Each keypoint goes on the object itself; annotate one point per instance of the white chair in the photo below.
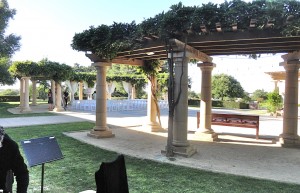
(88, 105)
(81, 104)
(93, 105)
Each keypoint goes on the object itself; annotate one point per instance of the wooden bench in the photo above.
(234, 120)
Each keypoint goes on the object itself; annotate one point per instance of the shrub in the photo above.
(9, 98)
(274, 102)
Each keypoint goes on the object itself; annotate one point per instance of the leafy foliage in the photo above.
(78, 68)
(274, 101)
(43, 69)
(259, 95)
(24, 68)
(8, 43)
(226, 86)
(9, 92)
(106, 41)
(150, 68)
(126, 73)
(88, 77)
(41, 90)
(180, 21)
(5, 76)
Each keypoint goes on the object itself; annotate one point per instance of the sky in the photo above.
(47, 28)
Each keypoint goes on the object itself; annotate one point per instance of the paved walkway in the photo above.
(237, 152)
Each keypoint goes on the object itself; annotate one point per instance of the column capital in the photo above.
(101, 64)
(25, 77)
(206, 65)
(179, 57)
(291, 56)
(291, 64)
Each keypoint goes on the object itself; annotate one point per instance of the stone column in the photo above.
(298, 92)
(25, 107)
(180, 143)
(152, 124)
(53, 92)
(58, 96)
(276, 85)
(205, 132)
(33, 92)
(81, 90)
(133, 96)
(101, 129)
(289, 136)
(22, 91)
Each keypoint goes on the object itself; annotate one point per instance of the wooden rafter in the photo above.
(202, 47)
(193, 53)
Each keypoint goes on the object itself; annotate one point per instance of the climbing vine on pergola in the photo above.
(106, 41)
(46, 69)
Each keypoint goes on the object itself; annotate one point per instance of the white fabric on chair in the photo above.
(128, 88)
(110, 88)
(73, 86)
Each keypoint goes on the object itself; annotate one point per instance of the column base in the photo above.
(210, 136)
(154, 127)
(187, 151)
(289, 141)
(58, 109)
(33, 104)
(25, 109)
(101, 134)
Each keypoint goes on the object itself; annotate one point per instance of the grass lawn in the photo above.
(76, 171)
(6, 114)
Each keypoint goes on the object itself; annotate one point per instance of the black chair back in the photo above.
(112, 177)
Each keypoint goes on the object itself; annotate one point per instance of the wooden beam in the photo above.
(191, 52)
(254, 34)
(133, 53)
(277, 75)
(134, 62)
(95, 59)
(264, 41)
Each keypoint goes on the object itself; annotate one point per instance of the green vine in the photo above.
(89, 78)
(106, 41)
(43, 70)
(24, 68)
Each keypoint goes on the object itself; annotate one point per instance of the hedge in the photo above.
(9, 98)
(225, 104)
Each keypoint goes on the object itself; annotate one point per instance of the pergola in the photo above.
(278, 76)
(203, 48)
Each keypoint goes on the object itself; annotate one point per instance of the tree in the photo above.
(8, 43)
(193, 95)
(259, 95)
(150, 69)
(78, 68)
(226, 86)
(274, 101)
(9, 92)
(5, 76)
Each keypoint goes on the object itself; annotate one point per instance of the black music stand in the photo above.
(40, 151)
